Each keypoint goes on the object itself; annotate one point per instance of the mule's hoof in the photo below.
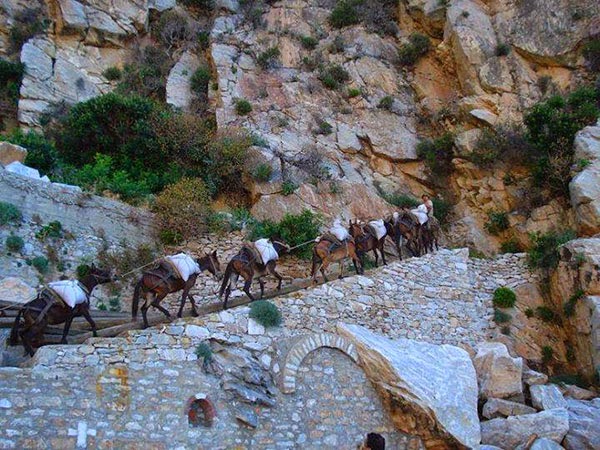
(63, 342)
(195, 313)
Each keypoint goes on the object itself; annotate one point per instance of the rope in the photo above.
(138, 268)
(312, 241)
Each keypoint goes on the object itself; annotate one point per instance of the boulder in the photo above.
(430, 389)
(531, 377)
(541, 444)
(584, 425)
(577, 393)
(10, 153)
(498, 373)
(547, 397)
(15, 290)
(178, 88)
(513, 431)
(496, 407)
(26, 171)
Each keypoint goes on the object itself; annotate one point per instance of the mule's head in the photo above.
(280, 247)
(355, 229)
(211, 263)
(97, 275)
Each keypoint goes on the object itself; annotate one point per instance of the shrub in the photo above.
(591, 52)
(41, 153)
(438, 154)
(269, 58)
(344, 14)
(200, 79)
(183, 207)
(497, 222)
(170, 237)
(204, 352)
(511, 246)
(569, 306)
(265, 313)
(40, 263)
(243, 107)
(544, 83)
(53, 230)
(506, 142)
(14, 243)
(309, 42)
(82, 271)
(573, 379)
(386, 103)
(112, 73)
(146, 74)
(547, 354)
(9, 213)
(441, 210)
(543, 253)
(338, 45)
(174, 28)
(333, 76)
(504, 298)
(546, 314)
(324, 127)
(505, 330)
(27, 23)
(353, 92)
(501, 317)
(11, 75)
(263, 172)
(128, 258)
(288, 187)
(502, 49)
(207, 5)
(529, 313)
(418, 46)
(401, 200)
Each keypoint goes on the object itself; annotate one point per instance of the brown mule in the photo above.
(47, 309)
(246, 264)
(430, 235)
(327, 251)
(366, 240)
(162, 281)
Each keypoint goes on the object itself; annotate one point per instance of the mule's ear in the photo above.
(214, 253)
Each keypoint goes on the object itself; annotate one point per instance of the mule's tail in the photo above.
(226, 278)
(136, 299)
(316, 259)
(14, 332)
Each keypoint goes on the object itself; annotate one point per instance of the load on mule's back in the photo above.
(59, 302)
(172, 274)
(257, 258)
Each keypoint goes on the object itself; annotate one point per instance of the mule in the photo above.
(327, 250)
(430, 235)
(160, 282)
(247, 264)
(47, 309)
(404, 228)
(366, 240)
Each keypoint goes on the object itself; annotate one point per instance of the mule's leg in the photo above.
(193, 302)
(324, 266)
(376, 256)
(261, 283)
(381, 245)
(25, 336)
(273, 272)
(88, 318)
(67, 327)
(247, 285)
(186, 291)
(156, 304)
(341, 263)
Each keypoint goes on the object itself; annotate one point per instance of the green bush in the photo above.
(9, 213)
(324, 127)
(333, 76)
(573, 379)
(170, 237)
(14, 243)
(502, 49)
(438, 154)
(26, 24)
(263, 172)
(145, 75)
(207, 5)
(386, 103)
(546, 314)
(511, 246)
(265, 313)
(293, 229)
(200, 79)
(204, 352)
(418, 46)
(501, 317)
(11, 75)
(543, 253)
(529, 313)
(82, 271)
(41, 153)
(441, 210)
(269, 58)
(353, 92)
(40, 263)
(401, 200)
(288, 187)
(112, 73)
(591, 52)
(497, 222)
(128, 258)
(506, 142)
(547, 354)
(53, 230)
(243, 107)
(344, 14)
(309, 42)
(569, 306)
(504, 298)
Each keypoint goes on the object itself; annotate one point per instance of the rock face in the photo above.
(584, 432)
(585, 186)
(513, 431)
(422, 384)
(498, 374)
(178, 82)
(10, 153)
(16, 290)
(547, 397)
(496, 407)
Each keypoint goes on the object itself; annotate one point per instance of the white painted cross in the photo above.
(82, 432)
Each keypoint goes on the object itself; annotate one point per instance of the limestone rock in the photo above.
(541, 444)
(10, 153)
(466, 141)
(585, 186)
(531, 377)
(547, 397)
(577, 393)
(431, 384)
(584, 421)
(178, 88)
(161, 5)
(496, 407)
(485, 116)
(23, 170)
(430, 13)
(16, 290)
(498, 374)
(513, 431)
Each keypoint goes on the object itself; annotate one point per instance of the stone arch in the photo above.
(200, 410)
(307, 345)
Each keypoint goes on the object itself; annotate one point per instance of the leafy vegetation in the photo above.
(511, 246)
(52, 230)
(243, 107)
(441, 210)
(547, 354)
(504, 297)
(438, 154)
(146, 74)
(263, 172)
(502, 49)
(41, 264)
(378, 16)
(27, 23)
(418, 45)
(529, 313)
(288, 187)
(591, 52)
(354, 92)
(11, 74)
(386, 103)
(344, 14)
(546, 314)
(14, 243)
(269, 58)
(334, 76)
(9, 213)
(112, 73)
(204, 352)
(543, 253)
(265, 313)
(497, 222)
(199, 80)
(401, 200)
(127, 258)
(501, 317)
(309, 42)
(569, 306)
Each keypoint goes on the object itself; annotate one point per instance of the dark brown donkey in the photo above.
(47, 309)
(366, 240)
(329, 250)
(404, 227)
(247, 264)
(160, 282)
